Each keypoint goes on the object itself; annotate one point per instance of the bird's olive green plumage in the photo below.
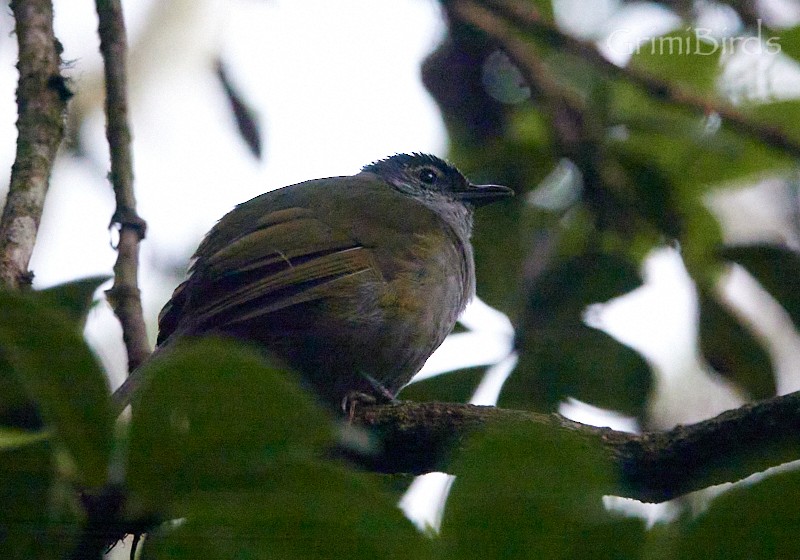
(351, 281)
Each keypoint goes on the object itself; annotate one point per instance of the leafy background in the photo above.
(226, 457)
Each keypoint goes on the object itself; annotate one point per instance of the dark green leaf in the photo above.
(748, 523)
(653, 195)
(733, 351)
(214, 415)
(245, 116)
(59, 372)
(580, 362)
(74, 298)
(776, 268)
(502, 230)
(534, 492)
(498, 251)
(30, 527)
(661, 542)
(454, 386)
(17, 410)
(560, 295)
(560, 356)
(298, 510)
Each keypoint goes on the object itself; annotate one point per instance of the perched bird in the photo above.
(353, 281)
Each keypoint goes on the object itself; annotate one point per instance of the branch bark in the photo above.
(652, 466)
(124, 295)
(42, 97)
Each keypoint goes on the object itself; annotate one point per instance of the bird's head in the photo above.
(430, 178)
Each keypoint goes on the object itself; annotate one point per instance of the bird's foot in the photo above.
(353, 399)
(379, 394)
(380, 389)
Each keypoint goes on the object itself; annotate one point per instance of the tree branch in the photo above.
(124, 296)
(653, 466)
(42, 97)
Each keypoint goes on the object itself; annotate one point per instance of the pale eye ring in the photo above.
(428, 176)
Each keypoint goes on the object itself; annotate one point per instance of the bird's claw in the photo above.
(353, 399)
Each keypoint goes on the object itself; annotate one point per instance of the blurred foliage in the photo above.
(500, 507)
(218, 438)
(790, 42)
(560, 356)
(732, 350)
(776, 268)
(646, 146)
(446, 388)
(46, 355)
(225, 455)
(767, 530)
(30, 527)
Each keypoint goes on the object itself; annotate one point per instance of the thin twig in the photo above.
(42, 97)
(124, 296)
(529, 20)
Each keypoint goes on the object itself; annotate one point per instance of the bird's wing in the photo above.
(288, 257)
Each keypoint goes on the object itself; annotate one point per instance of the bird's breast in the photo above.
(429, 285)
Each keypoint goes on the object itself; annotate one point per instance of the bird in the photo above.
(352, 281)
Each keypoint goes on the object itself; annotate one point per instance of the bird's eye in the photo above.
(428, 176)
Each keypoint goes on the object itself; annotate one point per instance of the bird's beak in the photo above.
(478, 195)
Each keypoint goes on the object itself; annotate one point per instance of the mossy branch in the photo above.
(652, 466)
(42, 96)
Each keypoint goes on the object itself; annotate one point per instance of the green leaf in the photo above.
(75, 298)
(784, 116)
(30, 525)
(534, 492)
(733, 351)
(695, 158)
(17, 410)
(748, 523)
(11, 438)
(701, 239)
(503, 229)
(776, 268)
(453, 386)
(681, 58)
(545, 8)
(580, 362)
(498, 251)
(559, 356)
(213, 415)
(693, 152)
(300, 509)
(50, 359)
(789, 41)
(653, 196)
(561, 294)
